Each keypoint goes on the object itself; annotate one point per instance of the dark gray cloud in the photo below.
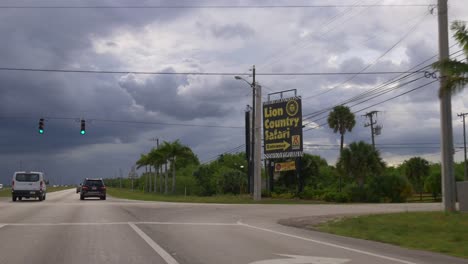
(165, 95)
(229, 31)
(203, 40)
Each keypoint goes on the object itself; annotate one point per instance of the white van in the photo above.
(29, 184)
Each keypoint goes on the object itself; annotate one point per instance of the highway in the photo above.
(64, 229)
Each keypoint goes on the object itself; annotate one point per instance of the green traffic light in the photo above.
(83, 132)
(41, 131)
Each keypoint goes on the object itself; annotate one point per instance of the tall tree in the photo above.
(360, 160)
(416, 170)
(144, 161)
(341, 120)
(156, 159)
(456, 70)
(173, 151)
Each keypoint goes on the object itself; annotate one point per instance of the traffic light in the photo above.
(83, 127)
(41, 126)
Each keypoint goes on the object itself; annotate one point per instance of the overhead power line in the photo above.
(380, 89)
(381, 102)
(123, 121)
(237, 149)
(196, 73)
(407, 33)
(200, 6)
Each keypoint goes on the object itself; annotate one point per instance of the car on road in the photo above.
(93, 188)
(29, 184)
(1, 186)
(78, 188)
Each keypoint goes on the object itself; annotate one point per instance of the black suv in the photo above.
(93, 188)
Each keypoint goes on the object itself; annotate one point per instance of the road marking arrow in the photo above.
(297, 259)
(276, 146)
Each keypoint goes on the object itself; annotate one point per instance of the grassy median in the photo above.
(434, 231)
(6, 192)
(223, 199)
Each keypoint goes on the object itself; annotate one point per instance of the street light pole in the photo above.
(252, 126)
(448, 180)
(255, 149)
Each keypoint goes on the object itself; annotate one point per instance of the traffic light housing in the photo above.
(41, 126)
(83, 127)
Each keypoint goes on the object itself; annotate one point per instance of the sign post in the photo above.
(282, 133)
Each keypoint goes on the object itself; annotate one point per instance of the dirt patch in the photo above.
(310, 222)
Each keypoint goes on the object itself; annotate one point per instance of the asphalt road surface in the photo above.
(64, 229)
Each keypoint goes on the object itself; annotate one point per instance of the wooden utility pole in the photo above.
(371, 123)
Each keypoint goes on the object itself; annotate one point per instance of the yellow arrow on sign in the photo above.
(277, 146)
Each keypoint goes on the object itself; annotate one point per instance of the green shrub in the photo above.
(311, 194)
(283, 195)
(334, 196)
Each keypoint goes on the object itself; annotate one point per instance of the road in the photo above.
(64, 229)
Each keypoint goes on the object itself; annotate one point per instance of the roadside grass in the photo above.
(223, 199)
(6, 192)
(433, 231)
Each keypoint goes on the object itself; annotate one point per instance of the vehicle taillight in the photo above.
(41, 184)
(84, 187)
(103, 187)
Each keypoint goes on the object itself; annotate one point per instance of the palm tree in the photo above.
(456, 72)
(156, 159)
(164, 151)
(341, 120)
(143, 161)
(360, 161)
(173, 151)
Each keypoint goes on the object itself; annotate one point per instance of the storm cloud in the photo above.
(203, 40)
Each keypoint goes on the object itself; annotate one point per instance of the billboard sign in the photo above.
(282, 128)
(285, 166)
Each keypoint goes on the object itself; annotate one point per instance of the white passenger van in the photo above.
(28, 184)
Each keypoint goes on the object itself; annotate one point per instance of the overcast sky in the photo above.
(231, 40)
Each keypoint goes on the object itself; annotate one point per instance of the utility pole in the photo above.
(258, 145)
(464, 144)
(448, 180)
(252, 147)
(256, 135)
(371, 123)
(248, 148)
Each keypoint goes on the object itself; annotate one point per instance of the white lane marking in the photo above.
(65, 224)
(161, 252)
(118, 223)
(297, 259)
(327, 244)
(188, 223)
